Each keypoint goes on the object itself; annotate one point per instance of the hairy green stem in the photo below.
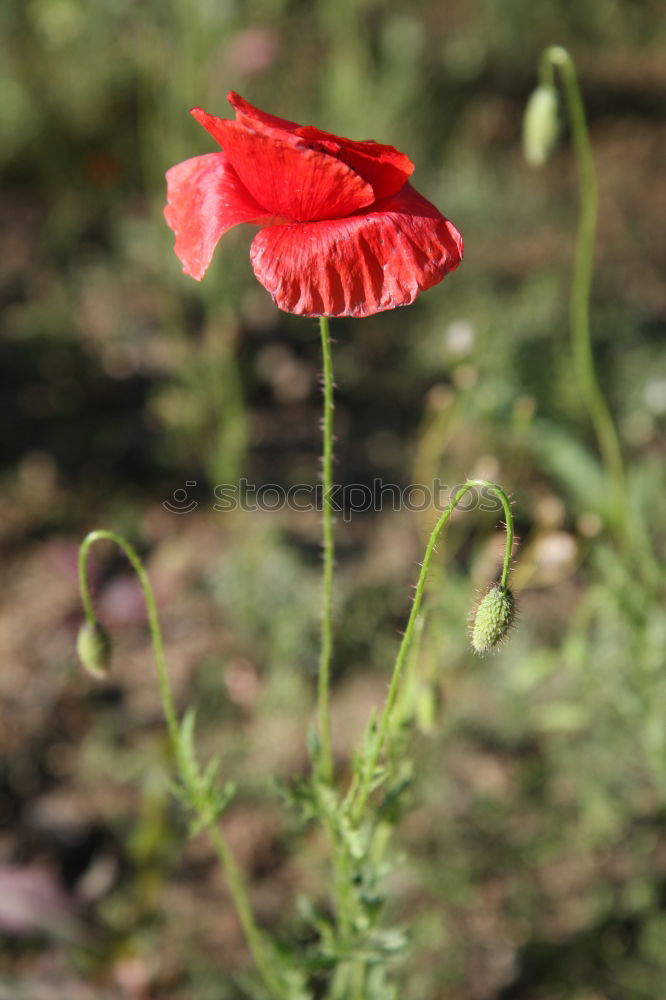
(256, 941)
(325, 761)
(362, 790)
(554, 58)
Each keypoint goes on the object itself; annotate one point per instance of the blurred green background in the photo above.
(534, 860)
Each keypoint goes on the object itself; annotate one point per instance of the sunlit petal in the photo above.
(360, 265)
(205, 198)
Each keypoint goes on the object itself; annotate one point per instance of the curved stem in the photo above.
(256, 942)
(325, 762)
(362, 790)
(553, 58)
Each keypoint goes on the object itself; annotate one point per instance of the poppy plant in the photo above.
(343, 233)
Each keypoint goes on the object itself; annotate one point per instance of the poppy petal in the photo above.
(384, 167)
(287, 177)
(360, 265)
(205, 198)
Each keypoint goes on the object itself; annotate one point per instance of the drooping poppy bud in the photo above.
(492, 619)
(93, 645)
(540, 125)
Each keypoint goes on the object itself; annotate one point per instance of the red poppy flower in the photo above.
(343, 232)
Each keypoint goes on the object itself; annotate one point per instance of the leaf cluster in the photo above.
(198, 789)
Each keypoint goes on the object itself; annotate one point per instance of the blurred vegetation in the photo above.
(534, 857)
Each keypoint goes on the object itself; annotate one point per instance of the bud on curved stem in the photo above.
(359, 792)
(555, 58)
(199, 793)
(153, 619)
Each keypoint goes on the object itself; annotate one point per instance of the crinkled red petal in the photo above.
(205, 198)
(285, 176)
(360, 265)
(384, 167)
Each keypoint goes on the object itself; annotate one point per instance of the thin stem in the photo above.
(553, 58)
(256, 942)
(325, 762)
(370, 763)
(254, 937)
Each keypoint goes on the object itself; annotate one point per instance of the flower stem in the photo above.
(256, 941)
(364, 787)
(556, 57)
(325, 761)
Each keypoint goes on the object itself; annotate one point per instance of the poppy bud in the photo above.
(492, 619)
(93, 646)
(540, 125)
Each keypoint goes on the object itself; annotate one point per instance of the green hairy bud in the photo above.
(492, 619)
(93, 646)
(540, 125)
